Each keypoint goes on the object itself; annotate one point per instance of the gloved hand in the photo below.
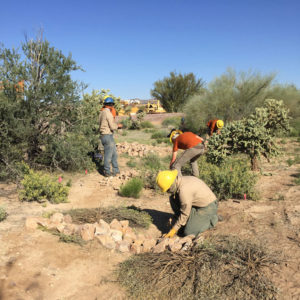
(170, 234)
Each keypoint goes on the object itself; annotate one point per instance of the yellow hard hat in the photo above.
(173, 133)
(165, 179)
(220, 124)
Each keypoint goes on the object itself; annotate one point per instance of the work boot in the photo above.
(107, 174)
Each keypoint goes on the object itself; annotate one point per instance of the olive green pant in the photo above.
(200, 219)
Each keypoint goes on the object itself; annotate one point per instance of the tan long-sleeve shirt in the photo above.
(107, 123)
(192, 192)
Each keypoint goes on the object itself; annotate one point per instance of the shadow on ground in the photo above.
(160, 219)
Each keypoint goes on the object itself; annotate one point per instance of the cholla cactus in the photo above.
(253, 136)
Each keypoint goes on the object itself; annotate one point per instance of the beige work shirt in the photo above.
(192, 192)
(107, 123)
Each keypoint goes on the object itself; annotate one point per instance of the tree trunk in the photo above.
(254, 163)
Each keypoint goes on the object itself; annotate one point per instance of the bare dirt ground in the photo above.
(35, 265)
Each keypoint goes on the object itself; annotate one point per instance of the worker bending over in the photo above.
(193, 146)
(214, 126)
(194, 204)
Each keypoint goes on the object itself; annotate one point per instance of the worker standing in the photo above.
(193, 146)
(107, 126)
(214, 126)
(195, 206)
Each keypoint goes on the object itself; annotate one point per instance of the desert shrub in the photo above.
(132, 163)
(172, 121)
(3, 214)
(159, 134)
(152, 162)
(232, 179)
(37, 187)
(146, 124)
(135, 216)
(132, 188)
(223, 267)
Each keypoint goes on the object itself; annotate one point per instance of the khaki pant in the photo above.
(190, 155)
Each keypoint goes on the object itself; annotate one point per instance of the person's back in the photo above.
(186, 140)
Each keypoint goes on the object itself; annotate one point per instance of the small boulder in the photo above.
(175, 247)
(148, 244)
(43, 222)
(115, 224)
(69, 229)
(60, 227)
(104, 224)
(116, 235)
(68, 219)
(87, 232)
(124, 246)
(124, 223)
(135, 249)
(101, 229)
(57, 218)
(161, 246)
(106, 241)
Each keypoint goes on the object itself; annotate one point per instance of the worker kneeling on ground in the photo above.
(214, 126)
(193, 146)
(194, 204)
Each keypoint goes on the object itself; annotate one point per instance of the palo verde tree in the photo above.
(229, 97)
(253, 136)
(42, 101)
(173, 91)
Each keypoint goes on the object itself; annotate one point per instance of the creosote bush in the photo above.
(37, 187)
(223, 267)
(132, 188)
(231, 179)
(3, 214)
(172, 121)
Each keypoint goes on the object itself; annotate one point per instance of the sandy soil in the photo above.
(34, 265)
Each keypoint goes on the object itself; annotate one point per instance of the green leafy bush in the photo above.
(132, 188)
(172, 121)
(146, 124)
(3, 214)
(37, 187)
(159, 135)
(232, 179)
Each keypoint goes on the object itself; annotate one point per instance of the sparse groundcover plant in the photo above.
(172, 121)
(3, 214)
(135, 216)
(223, 267)
(132, 162)
(159, 134)
(146, 124)
(38, 187)
(132, 188)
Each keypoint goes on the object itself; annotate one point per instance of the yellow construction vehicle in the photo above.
(154, 107)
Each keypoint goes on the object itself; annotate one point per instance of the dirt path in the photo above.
(34, 265)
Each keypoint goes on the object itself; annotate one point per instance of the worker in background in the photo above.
(193, 146)
(214, 126)
(182, 126)
(107, 126)
(195, 206)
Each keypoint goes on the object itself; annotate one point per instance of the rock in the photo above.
(106, 241)
(124, 246)
(43, 222)
(69, 229)
(124, 223)
(115, 224)
(129, 233)
(31, 223)
(135, 249)
(87, 232)
(174, 240)
(60, 227)
(104, 224)
(175, 247)
(57, 218)
(68, 219)
(187, 239)
(116, 235)
(161, 246)
(148, 244)
(101, 229)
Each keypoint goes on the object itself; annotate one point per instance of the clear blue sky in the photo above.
(126, 45)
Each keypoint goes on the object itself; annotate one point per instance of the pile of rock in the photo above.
(118, 180)
(139, 150)
(117, 235)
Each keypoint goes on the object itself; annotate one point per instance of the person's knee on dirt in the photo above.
(194, 204)
(193, 146)
(214, 126)
(107, 126)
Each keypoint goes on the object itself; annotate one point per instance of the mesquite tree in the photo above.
(254, 136)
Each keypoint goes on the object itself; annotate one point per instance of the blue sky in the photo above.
(126, 45)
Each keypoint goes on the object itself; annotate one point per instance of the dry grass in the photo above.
(135, 216)
(221, 268)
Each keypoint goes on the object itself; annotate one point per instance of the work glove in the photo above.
(170, 234)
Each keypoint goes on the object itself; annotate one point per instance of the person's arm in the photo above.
(174, 155)
(185, 210)
(111, 122)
